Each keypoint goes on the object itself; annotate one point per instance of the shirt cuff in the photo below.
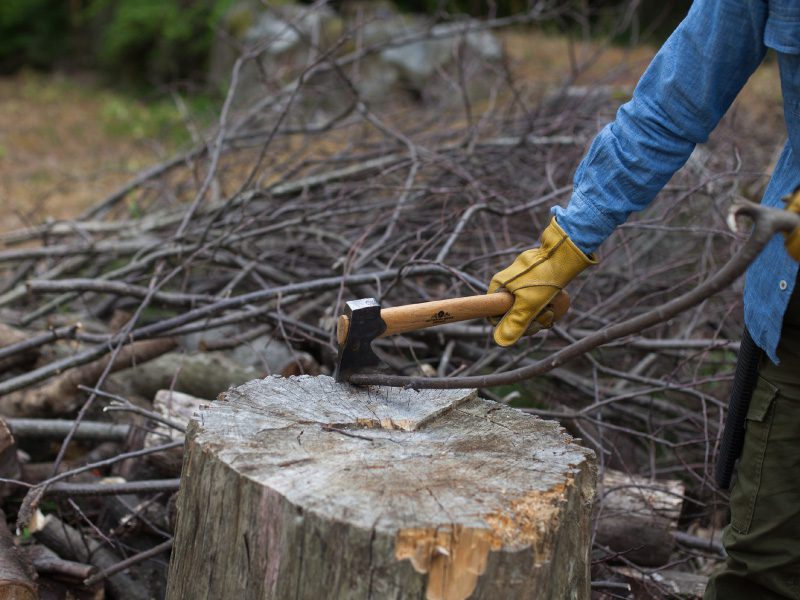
(585, 225)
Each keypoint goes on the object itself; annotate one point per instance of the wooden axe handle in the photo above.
(410, 317)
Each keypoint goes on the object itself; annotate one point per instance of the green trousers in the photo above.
(762, 540)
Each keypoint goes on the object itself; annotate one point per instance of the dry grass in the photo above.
(541, 58)
(59, 148)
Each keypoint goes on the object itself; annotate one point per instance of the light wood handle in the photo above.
(402, 319)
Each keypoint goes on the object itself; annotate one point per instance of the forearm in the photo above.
(679, 100)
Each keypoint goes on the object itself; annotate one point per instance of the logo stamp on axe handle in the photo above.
(365, 321)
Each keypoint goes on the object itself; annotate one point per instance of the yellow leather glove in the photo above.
(535, 277)
(793, 237)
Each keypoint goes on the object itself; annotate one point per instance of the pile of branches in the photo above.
(255, 238)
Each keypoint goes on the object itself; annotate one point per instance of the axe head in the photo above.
(362, 322)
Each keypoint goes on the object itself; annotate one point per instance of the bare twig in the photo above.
(58, 428)
(128, 562)
(113, 489)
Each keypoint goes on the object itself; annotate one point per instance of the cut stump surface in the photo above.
(304, 488)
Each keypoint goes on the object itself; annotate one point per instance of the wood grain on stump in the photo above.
(303, 488)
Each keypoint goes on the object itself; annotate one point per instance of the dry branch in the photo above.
(21, 346)
(112, 488)
(61, 396)
(177, 409)
(45, 561)
(637, 517)
(9, 464)
(129, 562)
(59, 428)
(10, 337)
(68, 542)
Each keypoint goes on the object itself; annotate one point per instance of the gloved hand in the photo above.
(793, 237)
(535, 277)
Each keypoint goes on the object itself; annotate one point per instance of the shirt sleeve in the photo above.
(681, 97)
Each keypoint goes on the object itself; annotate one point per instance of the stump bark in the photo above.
(304, 488)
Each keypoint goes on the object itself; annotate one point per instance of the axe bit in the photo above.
(364, 321)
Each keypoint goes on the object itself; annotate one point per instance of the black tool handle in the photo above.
(744, 382)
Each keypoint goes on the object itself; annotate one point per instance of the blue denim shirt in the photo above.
(679, 100)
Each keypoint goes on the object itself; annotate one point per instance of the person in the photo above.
(683, 94)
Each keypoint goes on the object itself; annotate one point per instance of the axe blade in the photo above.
(365, 325)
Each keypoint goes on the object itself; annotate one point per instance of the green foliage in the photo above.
(143, 117)
(136, 41)
(129, 118)
(32, 32)
(238, 21)
(528, 394)
(472, 7)
(166, 41)
(134, 210)
(155, 41)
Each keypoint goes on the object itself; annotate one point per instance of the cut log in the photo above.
(69, 543)
(305, 488)
(15, 574)
(62, 396)
(203, 375)
(9, 465)
(637, 517)
(47, 562)
(8, 337)
(177, 408)
(666, 583)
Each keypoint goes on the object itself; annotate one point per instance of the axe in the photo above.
(364, 321)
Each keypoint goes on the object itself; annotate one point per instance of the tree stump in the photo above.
(304, 488)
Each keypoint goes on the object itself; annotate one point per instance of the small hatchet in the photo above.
(365, 321)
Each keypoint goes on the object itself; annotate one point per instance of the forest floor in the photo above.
(67, 140)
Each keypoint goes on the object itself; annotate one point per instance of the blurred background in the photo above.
(93, 90)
